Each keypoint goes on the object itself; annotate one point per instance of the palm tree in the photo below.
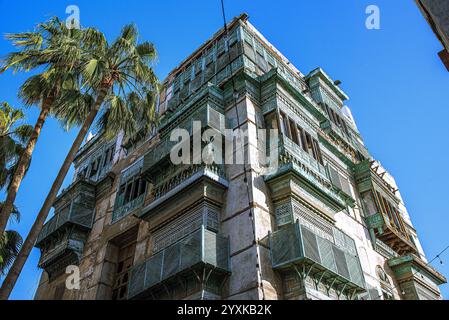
(13, 136)
(120, 77)
(10, 244)
(12, 139)
(55, 48)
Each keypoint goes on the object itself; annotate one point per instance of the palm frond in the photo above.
(94, 39)
(146, 51)
(34, 89)
(10, 244)
(26, 40)
(23, 133)
(73, 107)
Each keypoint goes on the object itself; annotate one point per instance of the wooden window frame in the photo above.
(287, 125)
(318, 151)
(309, 144)
(135, 183)
(123, 271)
(282, 124)
(294, 131)
(303, 139)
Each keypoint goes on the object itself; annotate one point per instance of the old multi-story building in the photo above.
(436, 12)
(328, 222)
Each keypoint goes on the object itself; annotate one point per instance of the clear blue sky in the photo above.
(398, 87)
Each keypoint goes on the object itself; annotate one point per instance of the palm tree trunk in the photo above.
(22, 166)
(19, 262)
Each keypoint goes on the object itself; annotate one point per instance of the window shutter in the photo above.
(345, 187)
(335, 177)
(339, 181)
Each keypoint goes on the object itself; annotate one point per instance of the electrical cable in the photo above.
(414, 273)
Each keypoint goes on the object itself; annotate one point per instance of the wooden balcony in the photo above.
(203, 256)
(298, 167)
(74, 207)
(367, 178)
(383, 229)
(62, 254)
(62, 238)
(205, 106)
(337, 133)
(338, 267)
(381, 206)
(417, 279)
(122, 211)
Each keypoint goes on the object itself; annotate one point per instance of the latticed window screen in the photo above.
(294, 242)
(98, 164)
(342, 240)
(64, 214)
(310, 245)
(339, 181)
(188, 73)
(283, 214)
(247, 36)
(340, 261)
(322, 228)
(327, 256)
(203, 246)
(153, 270)
(259, 47)
(373, 293)
(82, 210)
(215, 119)
(310, 219)
(186, 224)
(391, 211)
(271, 60)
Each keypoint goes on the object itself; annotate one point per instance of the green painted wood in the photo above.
(74, 207)
(201, 249)
(295, 244)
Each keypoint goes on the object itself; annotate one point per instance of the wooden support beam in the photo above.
(208, 275)
(310, 270)
(297, 271)
(321, 278)
(181, 282)
(341, 291)
(353, 294)
(332, 284)
(196, 275)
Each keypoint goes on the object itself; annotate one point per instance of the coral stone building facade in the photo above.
(327, 223)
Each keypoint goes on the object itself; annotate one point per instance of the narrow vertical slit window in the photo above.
(319, 157)
(282, 124)
(303, 139)
(287, 127)
(309, 144)
(294, 132)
